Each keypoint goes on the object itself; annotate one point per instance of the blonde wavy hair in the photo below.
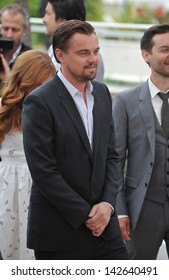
(31, 69)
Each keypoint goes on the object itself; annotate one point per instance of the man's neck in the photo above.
(80, 85)
(162, 83)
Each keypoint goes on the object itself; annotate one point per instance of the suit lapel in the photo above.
(147, 113)
(71, 109)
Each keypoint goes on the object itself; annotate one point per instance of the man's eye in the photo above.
(83, 53)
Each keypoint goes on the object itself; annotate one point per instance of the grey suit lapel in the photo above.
(71, 109)
(147, 113)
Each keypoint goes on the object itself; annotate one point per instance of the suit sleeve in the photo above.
(38, 138)
(112, 166)
(121, 127)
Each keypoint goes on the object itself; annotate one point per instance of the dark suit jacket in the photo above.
(68, 177)
(24, 48)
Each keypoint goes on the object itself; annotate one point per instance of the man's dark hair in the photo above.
(147, 42)
(64, 33)
(69, 9)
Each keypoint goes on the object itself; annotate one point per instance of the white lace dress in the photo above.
(15, 185)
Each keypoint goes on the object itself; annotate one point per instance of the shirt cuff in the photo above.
(111, 207)
(122, 216)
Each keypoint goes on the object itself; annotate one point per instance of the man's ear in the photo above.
(60, 21)
(145, 54)
(60, 56)
(25, 31)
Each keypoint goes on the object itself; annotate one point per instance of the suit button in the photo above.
(151, 163)
(146, 185)
(167, 186)
(0, 159)
(167, 172)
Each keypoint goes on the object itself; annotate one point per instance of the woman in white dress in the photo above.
(31, 69)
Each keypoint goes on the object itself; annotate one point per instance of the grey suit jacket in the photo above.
(135, 140)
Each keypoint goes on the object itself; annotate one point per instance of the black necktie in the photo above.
(165, 113)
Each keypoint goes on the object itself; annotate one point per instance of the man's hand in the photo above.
(125, 227)
(99, 217)
(6, 70)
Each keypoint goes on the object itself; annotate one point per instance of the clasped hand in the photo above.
(98, 218)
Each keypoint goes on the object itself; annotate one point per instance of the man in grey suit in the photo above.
(143, 199)
(69, 144)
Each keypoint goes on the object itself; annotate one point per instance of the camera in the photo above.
(5, 45)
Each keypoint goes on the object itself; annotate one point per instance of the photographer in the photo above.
(14, 25)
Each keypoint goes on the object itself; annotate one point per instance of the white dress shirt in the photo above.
(85, 110)
(15, 54)
(51, 54)
(155, 98)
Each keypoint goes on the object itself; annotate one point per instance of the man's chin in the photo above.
(91, 76)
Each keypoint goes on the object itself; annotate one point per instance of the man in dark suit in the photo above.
(14, 25)
(69, 144)
(143, 199)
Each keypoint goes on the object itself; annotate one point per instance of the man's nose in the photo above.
(93, 57)
(44, 19)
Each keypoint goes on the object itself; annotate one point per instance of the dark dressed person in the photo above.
(69, 145)
(14, 25)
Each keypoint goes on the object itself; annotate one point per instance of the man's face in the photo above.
(79, 62)
(50, 21)
(158, 59)
(12, 27)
